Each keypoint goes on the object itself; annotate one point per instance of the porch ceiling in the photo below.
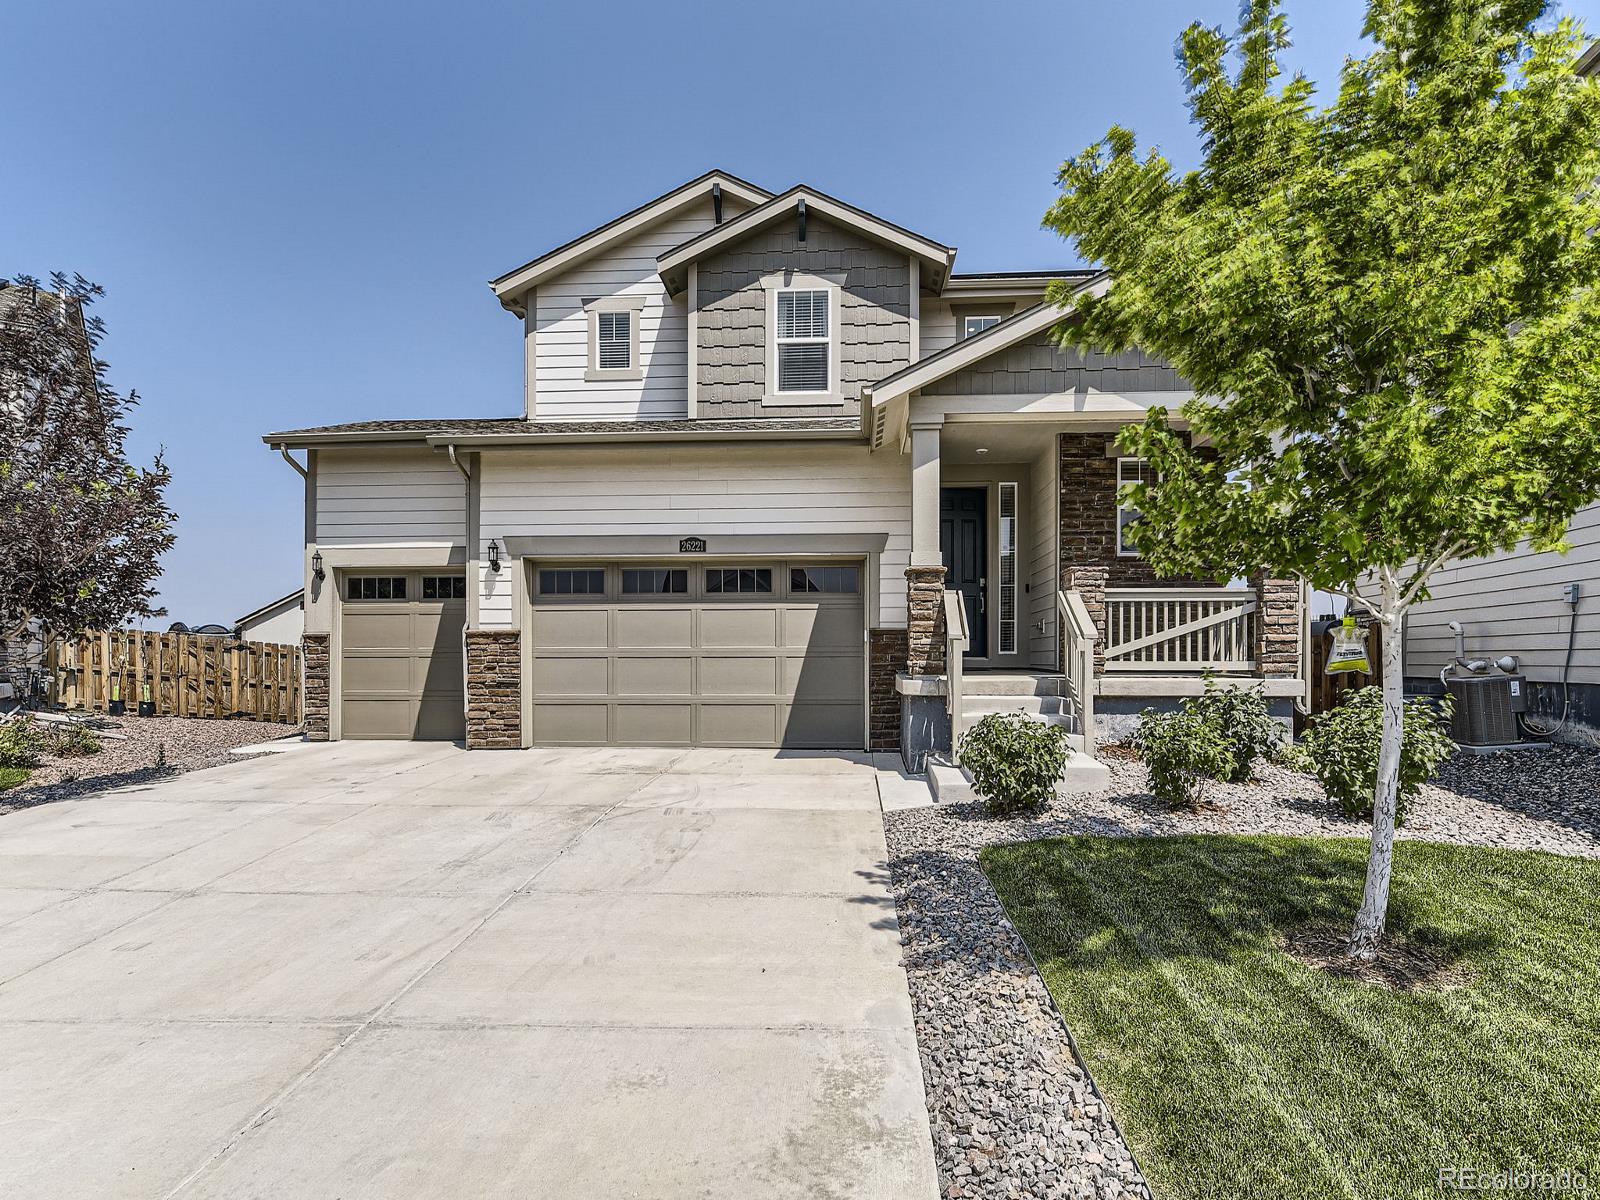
(960, 443)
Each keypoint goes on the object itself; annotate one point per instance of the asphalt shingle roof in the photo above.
(516, 425)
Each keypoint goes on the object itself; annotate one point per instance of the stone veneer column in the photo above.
(314, 649)
(886, 656)
(1277, 648)
(925, 623)
(494, 689)
(1090, 584)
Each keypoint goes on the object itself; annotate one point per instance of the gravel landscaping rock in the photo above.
(1012, 1111)
(139, 749)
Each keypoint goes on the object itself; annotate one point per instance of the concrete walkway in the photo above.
(386, 970)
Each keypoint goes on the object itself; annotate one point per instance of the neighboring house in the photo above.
(281, 622)
(768, 444)
(1521, 604)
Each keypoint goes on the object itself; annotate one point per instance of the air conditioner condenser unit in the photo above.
(1486, 708)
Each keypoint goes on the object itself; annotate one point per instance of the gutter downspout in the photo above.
(284, 450)
(472, 582)
(450, 448)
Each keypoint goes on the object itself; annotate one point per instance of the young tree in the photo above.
(81, 528)
(1396, 298)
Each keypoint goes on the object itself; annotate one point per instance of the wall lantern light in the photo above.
(494, 556)
(317, 572)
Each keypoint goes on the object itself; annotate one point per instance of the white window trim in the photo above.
(592, 309)
(993, 319)
(1122, 508)
(785, 281)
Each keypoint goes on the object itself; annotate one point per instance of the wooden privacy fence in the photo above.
(186, 675)
(1328, 690)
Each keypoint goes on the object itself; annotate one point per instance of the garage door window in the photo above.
(572, 583)
(837, 580)
(376, 587)
(650, 581)
(753, 580)
(444, 587)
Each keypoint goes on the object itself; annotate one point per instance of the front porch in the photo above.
(1021, 593)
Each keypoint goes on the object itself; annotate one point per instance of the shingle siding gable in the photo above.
(875, 317)
(1038, 366)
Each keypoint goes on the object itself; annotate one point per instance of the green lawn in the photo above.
(1235, 1071)
(10, 777)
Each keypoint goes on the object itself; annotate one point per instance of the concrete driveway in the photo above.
(386, 970)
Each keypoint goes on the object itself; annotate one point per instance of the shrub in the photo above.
(1241, 717)
(1342, 749)
(73, 740)
(1183, 752)
(1015, 762)
(20, 743)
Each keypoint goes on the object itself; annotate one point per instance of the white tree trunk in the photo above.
(1369, 924)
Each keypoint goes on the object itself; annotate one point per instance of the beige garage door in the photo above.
(400, 662)
(719, 654)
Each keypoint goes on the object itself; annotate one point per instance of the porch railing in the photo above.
(1180, 630)
(956, 638)
(1078, 636)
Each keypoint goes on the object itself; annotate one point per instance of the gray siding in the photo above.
(1039, 367)
(875, 324)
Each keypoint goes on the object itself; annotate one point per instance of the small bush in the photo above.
(73, 740)
(1241, 717)
(1015, 762)
(1342, 749)
(20, 743)
(1183, 752)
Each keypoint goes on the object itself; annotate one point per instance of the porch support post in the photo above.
(1277, 640)
(925, 576)
(925, 493)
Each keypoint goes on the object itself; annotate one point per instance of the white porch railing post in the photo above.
(1078, 638)
(1181, 630)
(957, 638)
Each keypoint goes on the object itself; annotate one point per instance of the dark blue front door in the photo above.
(963, 543)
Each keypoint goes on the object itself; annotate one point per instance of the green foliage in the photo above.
(11, 777)
(1398, 294)
(20, 743)
(1241, 717)
(1341, 748)
(73, 740)
(1015, 762)
(1183, 752)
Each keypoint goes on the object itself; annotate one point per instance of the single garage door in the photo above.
(709, 654)
(400, 670)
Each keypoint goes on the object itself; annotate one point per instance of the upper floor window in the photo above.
(803, 340)
(1129, 471)
(974, 325)
(614, 338)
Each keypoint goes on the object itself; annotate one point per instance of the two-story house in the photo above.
(779, 467)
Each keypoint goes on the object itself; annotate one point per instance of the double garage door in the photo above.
(736, 654)
(400, 666)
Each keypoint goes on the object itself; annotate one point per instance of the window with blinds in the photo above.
(802, 340)
(614, 341)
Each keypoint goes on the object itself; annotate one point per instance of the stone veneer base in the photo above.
(494, 689)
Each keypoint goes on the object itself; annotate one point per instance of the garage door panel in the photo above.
(655, 626)
(738, 627)
(559, 628)
(570, 725)
(830, 627)
(654, 675)
(570, 676)
(438, 719)
(388, 719)
(823, 677)
(438, 631)
(739, 675)
(438, 676)
(654, 724)
(723, 724)
(366, 630)
(375, 671)
(822, 726)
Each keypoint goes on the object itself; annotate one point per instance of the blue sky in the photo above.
(295, 206)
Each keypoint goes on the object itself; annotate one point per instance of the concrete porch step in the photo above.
(951, 784)
(977, 706)
(1011, 683)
